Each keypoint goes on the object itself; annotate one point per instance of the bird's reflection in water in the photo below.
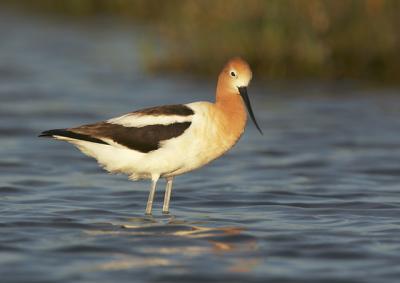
(181, 240)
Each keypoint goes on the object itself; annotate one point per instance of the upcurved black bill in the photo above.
(243, 94)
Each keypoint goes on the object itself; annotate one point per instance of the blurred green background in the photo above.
(282, 39)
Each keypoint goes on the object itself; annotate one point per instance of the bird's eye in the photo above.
(233, 74)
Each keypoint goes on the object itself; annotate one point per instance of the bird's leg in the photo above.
(167, 197)
(149, 206)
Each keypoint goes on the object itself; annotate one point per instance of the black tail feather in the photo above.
(55, 132)
(70, 134)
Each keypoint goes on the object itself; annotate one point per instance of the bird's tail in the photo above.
(66, 134)
(56, 132)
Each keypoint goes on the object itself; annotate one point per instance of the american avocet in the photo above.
(169, 140)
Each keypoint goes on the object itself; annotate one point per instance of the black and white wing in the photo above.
(142, 130)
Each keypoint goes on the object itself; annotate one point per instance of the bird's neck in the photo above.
(232, 112)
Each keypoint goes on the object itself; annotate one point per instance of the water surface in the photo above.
(316, 199)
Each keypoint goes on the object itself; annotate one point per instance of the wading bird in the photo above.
(169, 140)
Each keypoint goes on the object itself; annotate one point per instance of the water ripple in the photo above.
(316, 199)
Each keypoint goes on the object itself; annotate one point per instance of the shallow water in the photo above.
(316, 199)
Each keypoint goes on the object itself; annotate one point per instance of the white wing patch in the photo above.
(140, 120)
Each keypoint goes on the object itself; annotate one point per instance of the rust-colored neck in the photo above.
(231, 110)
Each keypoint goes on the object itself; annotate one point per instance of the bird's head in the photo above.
(234, 79)
(237, 74)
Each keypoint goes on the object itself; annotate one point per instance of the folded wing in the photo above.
(143, 130)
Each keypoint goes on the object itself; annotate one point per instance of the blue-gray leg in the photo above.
(150, 200)
(167, 197)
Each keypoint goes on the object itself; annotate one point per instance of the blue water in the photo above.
(316, 199)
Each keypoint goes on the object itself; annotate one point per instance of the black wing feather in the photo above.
(70, 134)
(143, 139)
